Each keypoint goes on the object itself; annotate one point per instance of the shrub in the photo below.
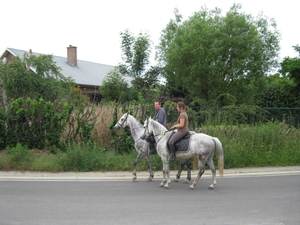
(36, 123)
(20, 157)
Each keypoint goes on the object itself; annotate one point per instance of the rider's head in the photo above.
(157, 105)
(181, 106)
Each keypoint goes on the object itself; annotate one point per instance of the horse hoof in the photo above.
(210, 188)
(166, 187)
(175, 180)
(191, 188)
(185, 181)
(149, 179)
(133, 179)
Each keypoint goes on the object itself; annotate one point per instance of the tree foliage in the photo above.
(210, 54)
(135, 55)
(113, 86)
(39, 103)
(290, 67)
(276, 92)
(34, 77)
(36, 123)
(116, 89)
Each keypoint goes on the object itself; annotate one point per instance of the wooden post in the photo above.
(195, 164)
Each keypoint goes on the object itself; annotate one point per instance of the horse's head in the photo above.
(146, 123)
(148, 131)
(122, 123)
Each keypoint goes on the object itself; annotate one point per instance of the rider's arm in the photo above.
(180, 125)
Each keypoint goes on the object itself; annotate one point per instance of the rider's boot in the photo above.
(152, 150)
(173, 156)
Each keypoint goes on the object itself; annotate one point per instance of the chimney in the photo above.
(72, 55)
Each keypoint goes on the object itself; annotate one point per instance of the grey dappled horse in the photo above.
(201, 145)
(143, 147)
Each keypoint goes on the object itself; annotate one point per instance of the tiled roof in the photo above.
(85, 73)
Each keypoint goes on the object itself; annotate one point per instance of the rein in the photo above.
(160, 137)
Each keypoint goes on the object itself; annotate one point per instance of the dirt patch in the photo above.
(40, 152)
(3, 152)
(37, 152)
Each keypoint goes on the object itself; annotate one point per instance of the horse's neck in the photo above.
(159, 131)
(135, 129)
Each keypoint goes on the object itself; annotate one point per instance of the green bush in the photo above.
(80, 158)
(20, 157)
(36, 123)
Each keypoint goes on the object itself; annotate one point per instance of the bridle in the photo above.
(121, 124)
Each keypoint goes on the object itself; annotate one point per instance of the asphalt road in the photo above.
(266, 200)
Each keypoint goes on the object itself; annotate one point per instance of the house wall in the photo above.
(9, 57)
(92, 93)
(86, 90)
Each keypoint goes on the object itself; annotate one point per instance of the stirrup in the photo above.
(152, 151)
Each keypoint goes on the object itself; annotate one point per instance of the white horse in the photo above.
(200, 145)
(143, 147)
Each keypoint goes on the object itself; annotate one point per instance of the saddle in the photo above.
(181, 145)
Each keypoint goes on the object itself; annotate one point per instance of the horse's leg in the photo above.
(149, 167)
(201, 167)
(212, 167)
(136, 161)
(164, 177)
(189, 168)
(187, 163)
(167, 171)
(182, 163)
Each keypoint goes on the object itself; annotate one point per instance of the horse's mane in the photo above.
(138, 123)
(161, 129)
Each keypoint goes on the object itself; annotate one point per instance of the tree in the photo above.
(135, 55)
(275, 93)
(34, 77)
(210, 54)
(290, 68)
(115, 88)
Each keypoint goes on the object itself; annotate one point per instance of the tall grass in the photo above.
(272, 144)
(78, 158)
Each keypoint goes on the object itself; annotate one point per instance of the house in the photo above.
(87, 75)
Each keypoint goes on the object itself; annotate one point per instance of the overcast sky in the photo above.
(94, 26)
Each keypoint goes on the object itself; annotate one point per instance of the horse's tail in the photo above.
(220, 155)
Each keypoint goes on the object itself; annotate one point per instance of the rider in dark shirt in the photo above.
(160, 113)
(161, 118)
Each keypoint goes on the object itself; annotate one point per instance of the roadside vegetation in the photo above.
(257, 145)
